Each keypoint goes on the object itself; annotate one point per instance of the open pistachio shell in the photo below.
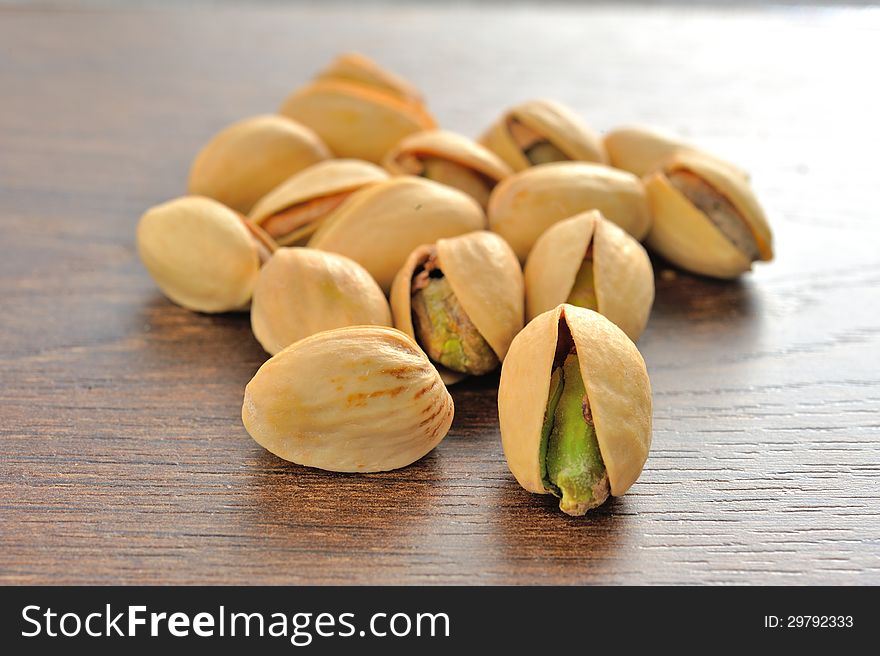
(302, 291)
(200, 253)
(529, 202)
(542, 122)
(356, 120)
(486, 279)
(622, 274)
(292, 212)
(357, 68)
(357, 399)
(379, 226)
(449, 158)
(617, 388)
(247, 159)
(706, 217)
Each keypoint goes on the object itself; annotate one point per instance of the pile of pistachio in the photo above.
(383, 259)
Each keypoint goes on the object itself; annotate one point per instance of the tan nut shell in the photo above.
(357, 68)
(358, 399)
(302, 291)
(356, 120)
(200, 254)
(556, 123)
(617, 387)
(325, 179)
(379, 226)
(487, 280)
(245, 160)
(624, 278)
(686, 237)
(529, 202)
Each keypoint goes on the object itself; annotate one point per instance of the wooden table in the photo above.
(123, 455)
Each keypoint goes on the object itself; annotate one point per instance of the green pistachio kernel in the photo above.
(583, 293)
(544, 152)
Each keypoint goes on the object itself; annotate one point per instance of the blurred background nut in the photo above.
(590, 262)
(706, 217)
(529, 202)
(542, 131)
(379, 226)
(451, 159)
(357, 399)
(360, 69)
(247, 159)
(201, 254)
(302, 291)
(574, 407)
(292, 212)
(461, 299)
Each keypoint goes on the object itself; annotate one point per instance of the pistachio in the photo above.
(588, 261)
(245, 160)
(706, 217)
(202, 255)
(542, 131)
(451, 159)
(380, 225)
(527, 203)
(461, 299)
(357, 68)
(293, 211)
(302, 291)
(574, 407)
(356, 399)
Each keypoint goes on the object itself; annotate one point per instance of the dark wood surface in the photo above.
(123, 455)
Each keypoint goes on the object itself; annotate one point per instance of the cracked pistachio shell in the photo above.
(685, 236)
(356, 120)
(556, 123)
(487, 280)
(379, 226)
(529, 202)
(200, 253)
(247, 159)
(357, 399)
(616, 383)
(623, 276)
(302, 291)
(292, 211)
(359, 69)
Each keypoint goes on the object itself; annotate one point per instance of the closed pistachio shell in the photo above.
(200, 253)
(486, 279)
(706, 217)
(357, 68)
(617, 388)
(302, 291)
(356, 120)
(379, 226)
(622, 272)
(292, 212)
(357, 399)
(529, 202)
(247, 159)
(543, 121)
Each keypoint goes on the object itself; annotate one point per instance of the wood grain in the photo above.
(123, 455)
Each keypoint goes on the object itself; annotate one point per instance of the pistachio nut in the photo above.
(461, 299)
(451, 159)
(302, 291)
(356, 120)
(706, 217)
(642, 150)
(542, 131)
(247, 159)
(379, 226)
(574, 407)
(356, 399)
(529, 202)
(202, 255)
(357, 68)
(292, 212)
(589, 262)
